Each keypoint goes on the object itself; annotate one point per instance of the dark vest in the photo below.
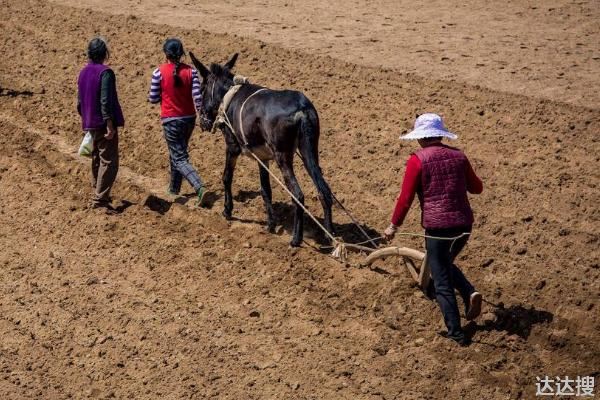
(443, 192)
(176, 101)
(89, 83)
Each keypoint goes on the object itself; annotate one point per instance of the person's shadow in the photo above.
(125, 204)
(162, 206)
(15, 93)
(157, 204)
(514, 320)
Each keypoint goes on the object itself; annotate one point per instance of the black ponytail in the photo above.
(173, 49)
(176, 77)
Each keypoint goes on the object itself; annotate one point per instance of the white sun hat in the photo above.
(429, 126)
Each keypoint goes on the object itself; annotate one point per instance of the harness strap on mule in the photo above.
(349, 214)
(222, 117)
(222, 113)
(339, 251)
(240, 115)
(335, 242)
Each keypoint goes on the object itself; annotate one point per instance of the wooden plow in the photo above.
(415, 262)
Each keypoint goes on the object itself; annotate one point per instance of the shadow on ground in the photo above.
(514, 320)
(15, 93)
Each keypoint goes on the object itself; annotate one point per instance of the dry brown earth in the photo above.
(548, 49)
(164, 301)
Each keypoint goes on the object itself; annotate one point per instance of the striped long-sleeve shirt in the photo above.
(154, 96)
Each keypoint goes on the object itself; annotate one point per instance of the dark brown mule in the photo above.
(272, 124)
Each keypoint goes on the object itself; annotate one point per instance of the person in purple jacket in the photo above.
(101, 115)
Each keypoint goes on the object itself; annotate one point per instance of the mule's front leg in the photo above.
(231, 157)
(265, 190)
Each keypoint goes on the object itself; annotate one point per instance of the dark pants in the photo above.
(177, 134)
(446, 275)
(105, 165)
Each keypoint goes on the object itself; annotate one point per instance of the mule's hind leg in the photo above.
(309, 150)
(285, 161)
(324, 191)
(231, 157)
(265, 190)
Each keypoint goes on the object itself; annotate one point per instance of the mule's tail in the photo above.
(308, 145)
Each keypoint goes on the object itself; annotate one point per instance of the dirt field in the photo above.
(167, 302)
(548, 50)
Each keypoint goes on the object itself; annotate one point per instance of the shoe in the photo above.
(171, 195)
(462, 339)
(474, 306)
(201, 197)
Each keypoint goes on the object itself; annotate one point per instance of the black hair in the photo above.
(431, 139)
(173, 49)
(97, 50)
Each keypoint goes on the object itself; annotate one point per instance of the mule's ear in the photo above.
(204, 72)
(231, 63)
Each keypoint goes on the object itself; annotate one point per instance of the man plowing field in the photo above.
(441, 176)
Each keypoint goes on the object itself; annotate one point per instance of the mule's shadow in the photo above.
(514, 320)
(284, 216)
(245, 195)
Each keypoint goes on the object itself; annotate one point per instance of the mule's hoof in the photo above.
(227, 215)
(271, 228)
(295, 243)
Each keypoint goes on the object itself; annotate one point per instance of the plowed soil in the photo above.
(164, 301)
(548, 50)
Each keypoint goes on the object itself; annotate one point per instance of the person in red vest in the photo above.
(176, 86)
(441, 176)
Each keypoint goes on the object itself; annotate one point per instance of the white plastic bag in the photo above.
(87, 145)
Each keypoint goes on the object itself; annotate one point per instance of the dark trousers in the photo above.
(177, 134)
(446, 275)
(105, 165)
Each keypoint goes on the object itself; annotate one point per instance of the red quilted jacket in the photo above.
(443, 193)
